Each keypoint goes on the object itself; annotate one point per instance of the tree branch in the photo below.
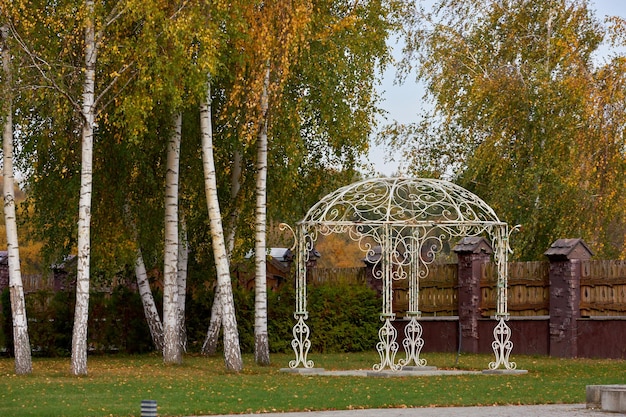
(37, 61)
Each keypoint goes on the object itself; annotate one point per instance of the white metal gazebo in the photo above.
(410, 219)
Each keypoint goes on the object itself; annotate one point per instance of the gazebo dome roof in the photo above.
(408, 201)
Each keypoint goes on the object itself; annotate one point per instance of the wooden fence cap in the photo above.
(473, 244)
(569, 249)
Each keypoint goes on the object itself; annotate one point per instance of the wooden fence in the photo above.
(528, 292)
(336, 275)
(603, 288)
(438, 295)
(35, 282)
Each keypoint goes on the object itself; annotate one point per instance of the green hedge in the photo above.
(342, 318)
(6, 338)
(116, 323)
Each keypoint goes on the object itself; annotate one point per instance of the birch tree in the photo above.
(181, 282)
(520, 113)
(81, 313)
(171, 336)
(324, 105)
(232, 351)
(23, 361)
(209, 346)
(276, 32)
(261, 340)
(149, 307)
(62, 42)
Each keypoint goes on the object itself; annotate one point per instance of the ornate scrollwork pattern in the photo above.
(387, 347)
(301, 343)
(413, 344)
(401, 200)
(409, 220)
(285, 226)
(502, 346)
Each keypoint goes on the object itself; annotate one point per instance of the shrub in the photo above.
(126, 328)
(6, 329)
(343, 317)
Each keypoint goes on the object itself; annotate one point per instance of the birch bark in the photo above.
(209, 347)
(232, 351)
(21, 342)
(79, 336)
(147, 300)
(181, 281)
(261, 341)
(235, 187)
(172, 352)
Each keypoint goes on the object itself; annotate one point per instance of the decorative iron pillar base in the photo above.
(413, 344)
(387, 347)
(301, 343)
(502, 346)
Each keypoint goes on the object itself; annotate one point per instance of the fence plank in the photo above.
(603, 288)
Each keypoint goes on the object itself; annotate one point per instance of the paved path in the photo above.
(406, 371)
(556, 410)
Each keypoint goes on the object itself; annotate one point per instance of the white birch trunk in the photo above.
(172, 352)
(235, 187)
(79, 336)
(209, 347)
(183, 257)
(261, 342)
(232, 351)
(21, 342)
(147, 300)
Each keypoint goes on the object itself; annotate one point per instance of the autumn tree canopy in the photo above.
(153, 60)
(524, 116)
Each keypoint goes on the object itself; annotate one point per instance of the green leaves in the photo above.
(517, 108)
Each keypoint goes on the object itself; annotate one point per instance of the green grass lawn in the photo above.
(116, 385)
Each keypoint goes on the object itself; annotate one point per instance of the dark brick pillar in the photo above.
(472, 253)
(565, 257)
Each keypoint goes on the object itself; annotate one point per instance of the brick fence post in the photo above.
(472, 253)
(565, 256)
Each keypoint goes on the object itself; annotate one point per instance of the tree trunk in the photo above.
(79, 336)
(172, 352)
(232, 351)
(183, 257)
(21, 342)
(261, 342)
(210, 342)
(149, 307)
(235, 186)
(209, 347)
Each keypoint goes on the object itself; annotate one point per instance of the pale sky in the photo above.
(402, 102)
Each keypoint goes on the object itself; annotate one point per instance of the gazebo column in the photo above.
(301, 342)
(502, 344)
(387, 346)
(413, 342)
